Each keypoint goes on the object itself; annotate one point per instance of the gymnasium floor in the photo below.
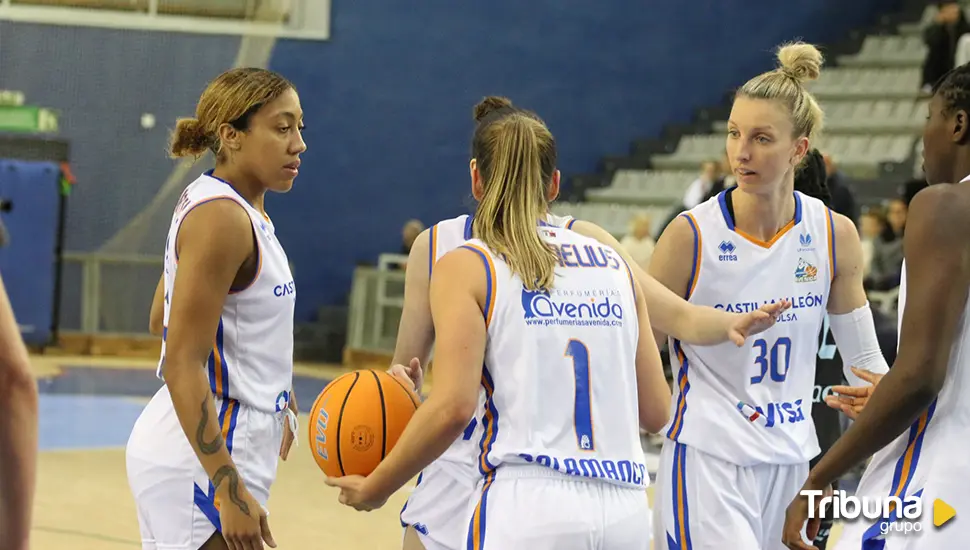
(87, 408)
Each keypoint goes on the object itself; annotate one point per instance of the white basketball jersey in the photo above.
(446, 236)
(929, 453)
(753, 404)
(560, 374)
(252, 351)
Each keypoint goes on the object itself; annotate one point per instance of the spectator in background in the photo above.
(873, 226)
(941, 37)
(638, 242)
(701, 188)
(409, 233)
(887, 257)
(843, 199)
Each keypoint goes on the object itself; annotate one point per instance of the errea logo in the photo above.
(727, 250)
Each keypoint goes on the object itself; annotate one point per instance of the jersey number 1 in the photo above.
(773, 361)
(582, 415)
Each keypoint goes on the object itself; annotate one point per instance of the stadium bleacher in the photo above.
(874, 111)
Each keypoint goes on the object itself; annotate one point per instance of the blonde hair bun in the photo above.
(801, 61)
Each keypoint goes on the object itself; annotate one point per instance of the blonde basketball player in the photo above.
(203, 454)
(448, 483)
(741, 434)
(553, 326)
(916, 422)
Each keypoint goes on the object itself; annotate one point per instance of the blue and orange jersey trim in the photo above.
(681, 539)
(902, 475)
(433, 248)
(831, 237)
(217, 368)
(208, 501)
(695, 269)
(722, 203)
(633, 284)
(677, 425)
(489, 281)
(489, 424)
(569, 224)
(476, 528)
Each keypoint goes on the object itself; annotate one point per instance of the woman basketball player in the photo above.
(740, 437)
(203, 454)
(916, 424)
(428, 515)
(516, 310)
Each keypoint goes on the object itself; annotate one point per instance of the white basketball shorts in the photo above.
(536, 508)
(173, 496)
(437, 505)
(702, 502)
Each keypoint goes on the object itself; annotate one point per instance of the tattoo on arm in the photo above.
(230, 472)
(210, 447)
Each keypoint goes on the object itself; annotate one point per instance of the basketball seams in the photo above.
(409, 393)
(340, 461)
(380, 392)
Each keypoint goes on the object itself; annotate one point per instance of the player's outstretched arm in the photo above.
(214, 241)
(667, 282)
(156, 317)
(458, 305)
(938, 279)
(18, 432)
(653, 393)
(415, 332)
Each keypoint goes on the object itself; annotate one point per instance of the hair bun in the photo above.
(189, 138)
(490, 105)
(801, 61)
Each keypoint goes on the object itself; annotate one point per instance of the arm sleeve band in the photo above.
(855, 336)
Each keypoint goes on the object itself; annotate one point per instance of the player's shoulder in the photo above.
(942, 209)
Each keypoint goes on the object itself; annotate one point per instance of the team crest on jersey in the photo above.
(727, 250)
(805, 272)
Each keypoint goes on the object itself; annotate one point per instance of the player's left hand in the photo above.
(355, 492)
(852, 399)
(753, 322)
(796, 517)
(290, 427)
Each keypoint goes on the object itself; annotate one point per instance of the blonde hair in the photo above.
(516, 157)
(232, 98)
(798, 63)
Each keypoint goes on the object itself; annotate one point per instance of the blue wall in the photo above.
(388, 101)
(102, 81)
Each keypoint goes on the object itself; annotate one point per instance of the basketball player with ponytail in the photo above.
(741, 436)
(560, 462)
(428, 516)
(203, 454)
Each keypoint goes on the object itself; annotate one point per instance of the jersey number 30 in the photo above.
(583, 417)
(772, 360)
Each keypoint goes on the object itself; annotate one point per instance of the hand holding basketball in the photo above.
(412, 373)
(355, 492)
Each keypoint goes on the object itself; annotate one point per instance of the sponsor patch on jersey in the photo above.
(805, 272)
(593, 307)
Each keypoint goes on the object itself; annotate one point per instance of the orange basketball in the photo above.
(357, 419)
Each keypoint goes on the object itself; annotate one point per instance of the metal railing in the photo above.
(107, 293)
(376, 303)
